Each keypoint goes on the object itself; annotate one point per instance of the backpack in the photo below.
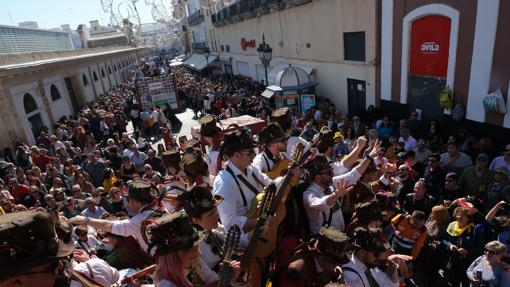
(446, 98)
(458, 112)
(494, 102)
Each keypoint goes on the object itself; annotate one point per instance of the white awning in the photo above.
(270, 91)
(281, 66)
(194, 60)
(199, 61)
(267, 93)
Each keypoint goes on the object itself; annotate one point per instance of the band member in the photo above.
(275, 144)
(195, 168)
(139, 203)
(175, 245)
(171, 163)
(239, 182)
(211, 136)
(317, 262)
(372, 262)
(323, 203)
(201, 206)
(35, 260)
(196, 173)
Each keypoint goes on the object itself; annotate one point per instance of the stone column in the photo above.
(46, 103)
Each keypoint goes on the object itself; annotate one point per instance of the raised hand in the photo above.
(361, 142)
(342, 188)
(375, 147)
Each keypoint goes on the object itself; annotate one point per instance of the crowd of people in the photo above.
(315, 199)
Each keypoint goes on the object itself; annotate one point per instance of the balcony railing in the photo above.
(198, 46)
(196, 18)
(245, 9)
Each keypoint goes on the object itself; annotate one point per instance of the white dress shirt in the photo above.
(212, 162)
(263, 162)
(338, 168)
(101, 272)
(232, 210)
(359, 279)
(131, 227)
(318, 210)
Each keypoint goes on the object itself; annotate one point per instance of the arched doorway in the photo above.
(428, 64)
(33, 115)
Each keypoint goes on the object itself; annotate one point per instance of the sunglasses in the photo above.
(490, 252)
(449, 180)
(432, 160)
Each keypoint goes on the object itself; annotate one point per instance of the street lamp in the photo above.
(265, 55)
(207, 53)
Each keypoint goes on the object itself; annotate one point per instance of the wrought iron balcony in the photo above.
(198, 46)
(196, 18)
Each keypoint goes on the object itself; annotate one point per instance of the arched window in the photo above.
(103, 73)
(95, 76)
(55, 94)
(109, 70)
(85, 80)
(29, 103)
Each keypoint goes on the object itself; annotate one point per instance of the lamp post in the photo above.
(265, 55)
(207, 53)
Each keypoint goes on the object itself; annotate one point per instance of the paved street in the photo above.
(187, 122)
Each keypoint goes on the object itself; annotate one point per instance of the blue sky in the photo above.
(53, 13)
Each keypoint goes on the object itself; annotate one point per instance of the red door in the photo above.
(430, 42)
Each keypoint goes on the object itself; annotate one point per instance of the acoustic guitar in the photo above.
(280, 168)
(229, 249)
(249, 266)
(138, 275)
(266, 244)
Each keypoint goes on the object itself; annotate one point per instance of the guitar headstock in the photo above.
(231, 242)
(265, 204)
(297, 151)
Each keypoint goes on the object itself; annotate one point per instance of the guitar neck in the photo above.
(280, 192)
(252, 245)
(224, 276)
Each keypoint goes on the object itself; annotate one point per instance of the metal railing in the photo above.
(199, 46)
(245, 9)
(196, 18)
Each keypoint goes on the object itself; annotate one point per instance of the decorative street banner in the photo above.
(430, 42)
(157, 91)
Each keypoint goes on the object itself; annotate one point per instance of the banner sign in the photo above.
(430, 42)
(157, 91)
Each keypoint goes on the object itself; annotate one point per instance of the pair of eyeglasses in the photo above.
(490, 252)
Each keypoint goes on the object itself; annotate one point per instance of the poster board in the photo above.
(307, 102)
(157, 91)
